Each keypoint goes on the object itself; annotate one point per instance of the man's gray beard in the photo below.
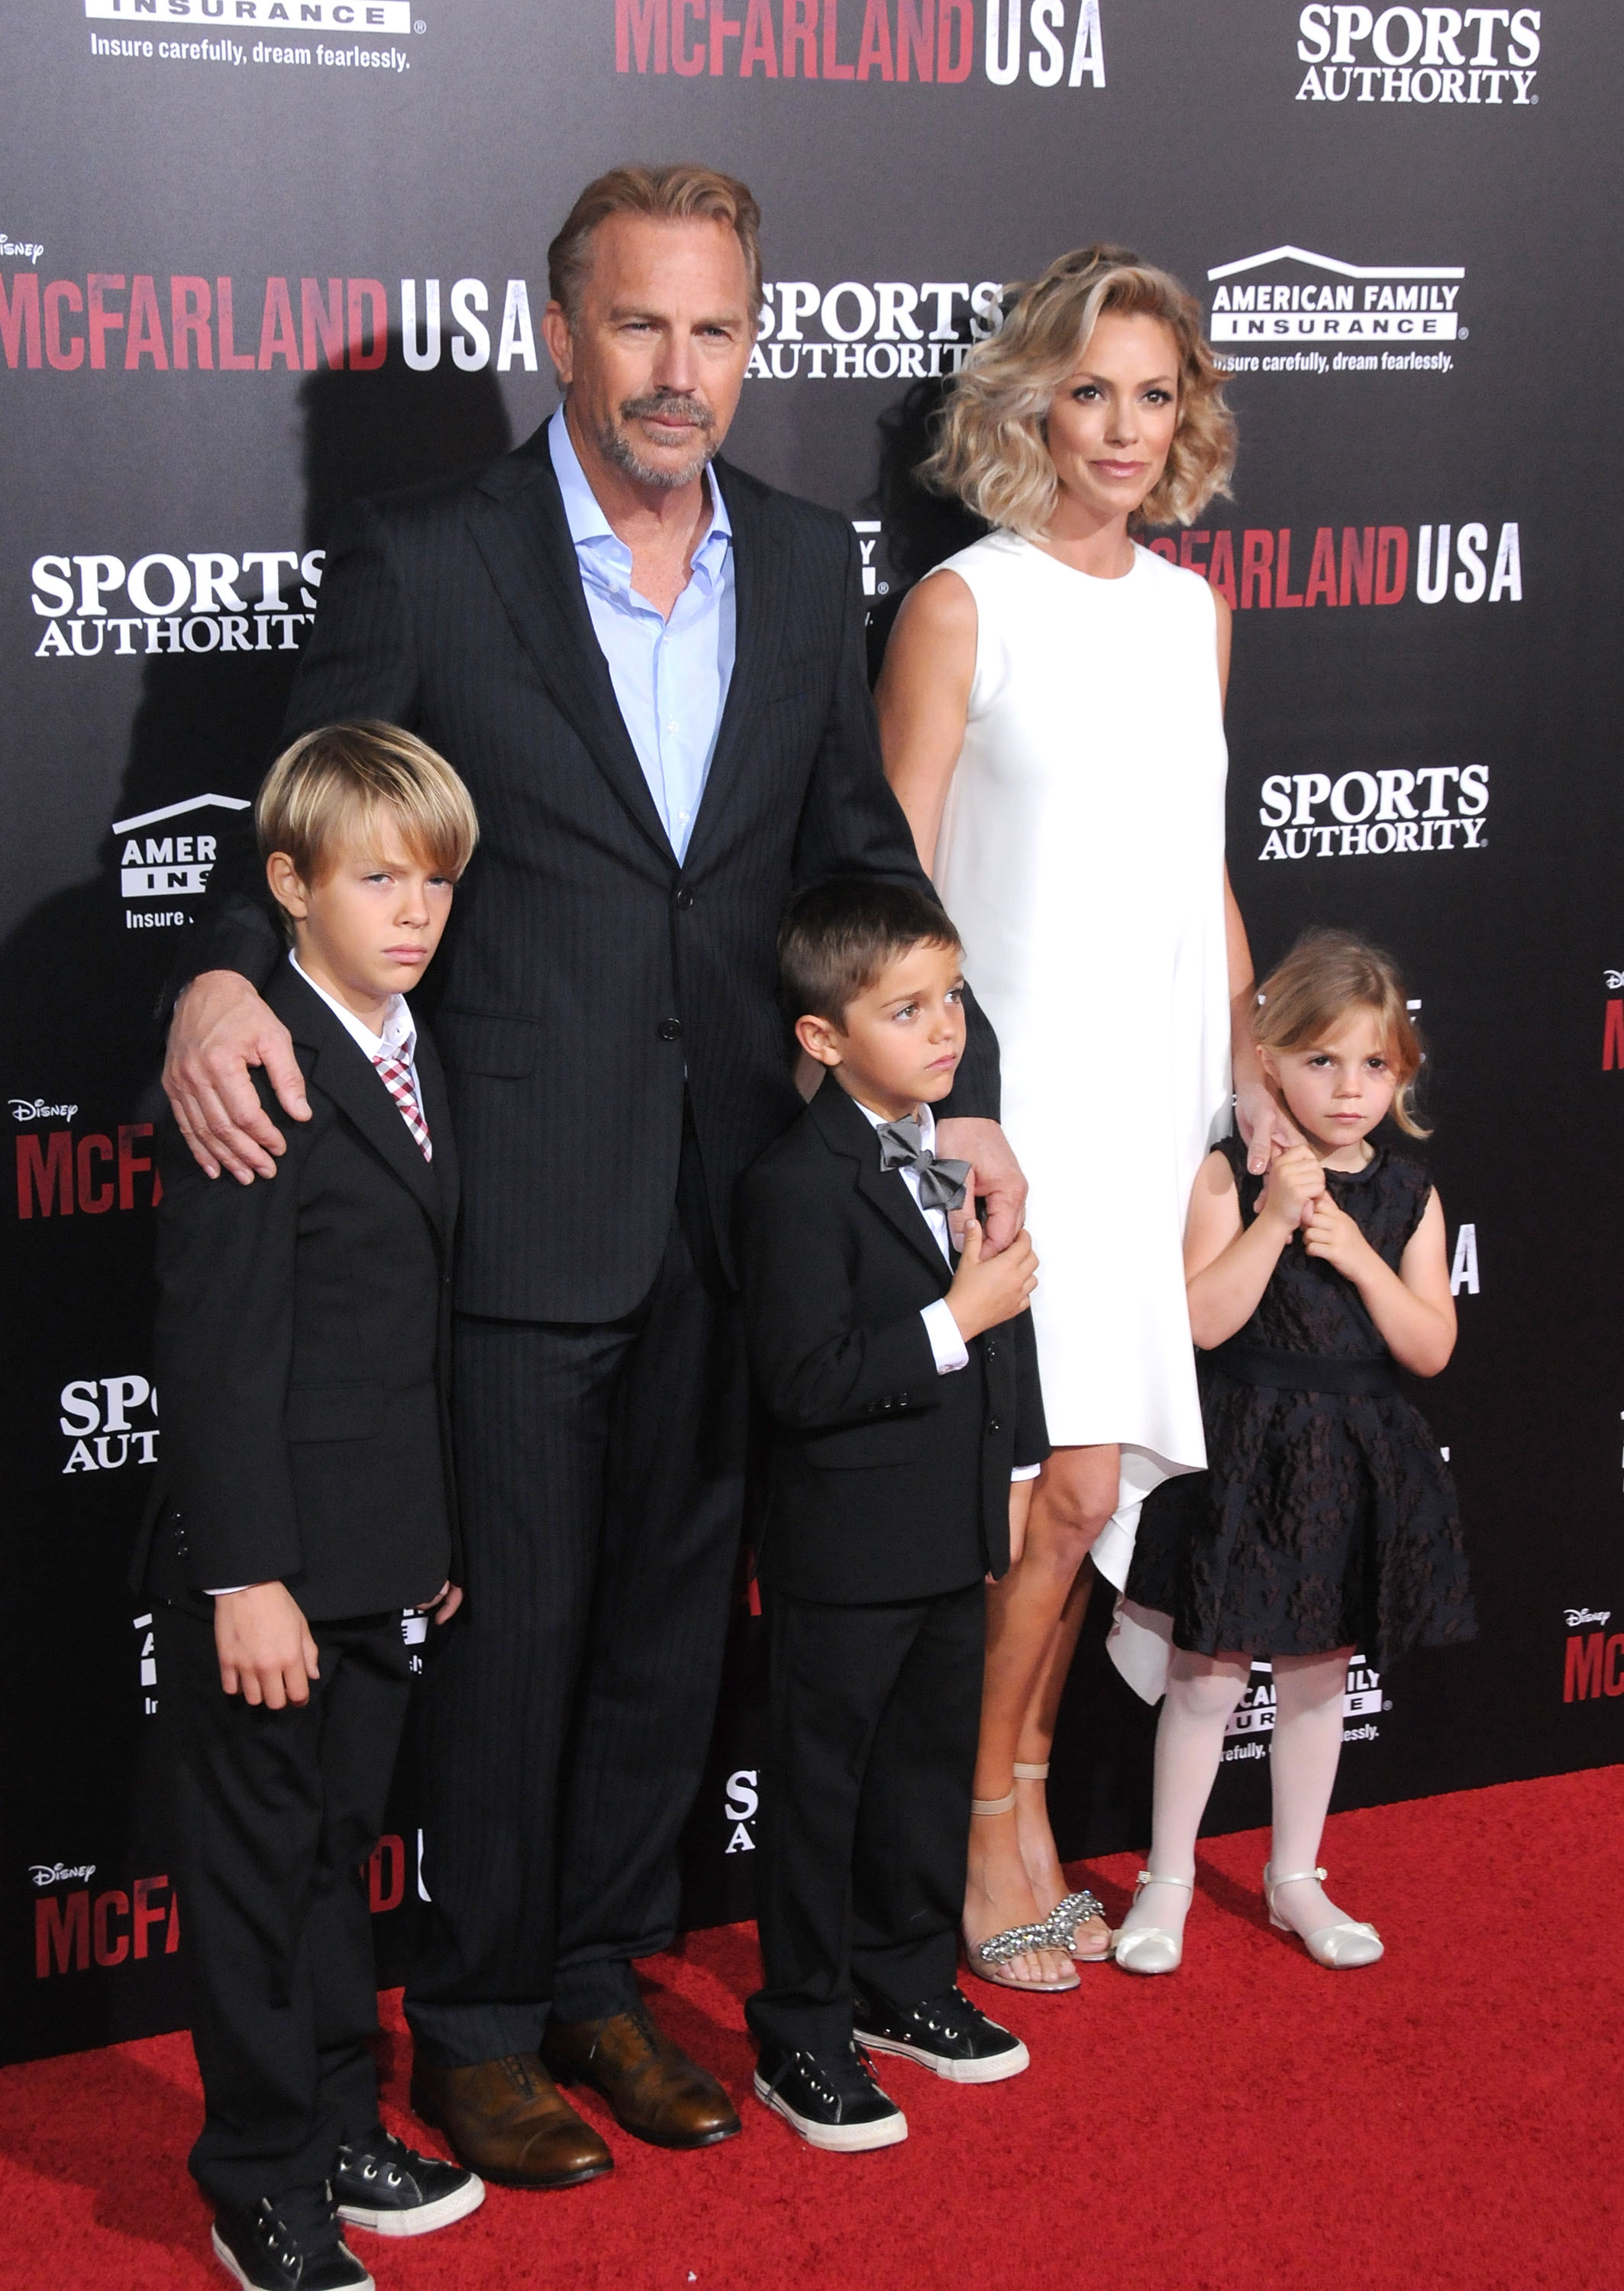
(616, 447)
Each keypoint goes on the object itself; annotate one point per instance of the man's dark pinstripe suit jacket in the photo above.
(585, 971)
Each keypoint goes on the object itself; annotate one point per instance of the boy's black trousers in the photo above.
(865, 1807)
(276, 1809)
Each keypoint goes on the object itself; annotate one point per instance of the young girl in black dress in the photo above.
(1326, 1519)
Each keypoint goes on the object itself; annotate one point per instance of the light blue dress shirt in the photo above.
(671, 677)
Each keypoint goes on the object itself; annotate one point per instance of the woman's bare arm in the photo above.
(923, 700)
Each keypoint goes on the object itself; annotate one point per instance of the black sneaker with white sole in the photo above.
(946, 2034)
(290, 2242)
(382, 2184)
(832, 2099)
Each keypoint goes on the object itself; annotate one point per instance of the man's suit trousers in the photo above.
(276, 1812)
(601, 1477)
(865, 1807)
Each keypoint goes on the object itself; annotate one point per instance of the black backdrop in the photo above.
(260, 255)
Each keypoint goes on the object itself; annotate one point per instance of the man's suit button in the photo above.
(671, 1030)
(685, 899)
(994, 1426)
(991, 1352)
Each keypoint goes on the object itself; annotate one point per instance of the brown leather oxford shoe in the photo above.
(657, 2093)
(507, 2120)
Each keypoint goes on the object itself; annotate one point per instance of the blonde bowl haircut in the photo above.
(323, 794)
(1326, 978)
(684, 192)
(992, 450)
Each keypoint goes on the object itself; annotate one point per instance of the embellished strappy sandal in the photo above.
(989, 1959)
(1341, 1946)
(1077, 1909)
(1151, 1949)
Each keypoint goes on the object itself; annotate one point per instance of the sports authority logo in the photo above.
(1362, 1703)
(205, 601)
(1419, 55)
(891, 330)
(172, 863)
(101, 1419)
(1371, 815)
(1047, 44)
(740, 1803)
(1384, 310)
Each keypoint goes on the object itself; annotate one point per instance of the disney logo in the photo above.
(1577, 1615)
(58, 1873)
(1613, 977)
(20, 246)
(35, 1109)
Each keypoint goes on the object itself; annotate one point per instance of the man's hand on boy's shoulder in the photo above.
(222, 1029)
(264, 1645)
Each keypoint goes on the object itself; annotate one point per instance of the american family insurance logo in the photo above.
(1253, 1718)
(1291, 311)
(289, 32)
(1419, 55)
(168, 854)
(1043, 43)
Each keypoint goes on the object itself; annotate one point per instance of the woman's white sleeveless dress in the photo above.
(1081, 856)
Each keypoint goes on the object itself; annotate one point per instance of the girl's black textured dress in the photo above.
(1327, 1516)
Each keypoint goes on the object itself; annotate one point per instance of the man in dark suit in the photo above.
(303, 1344)
(649, 668)
(907, 1425)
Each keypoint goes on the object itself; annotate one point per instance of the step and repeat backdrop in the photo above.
(259, 256)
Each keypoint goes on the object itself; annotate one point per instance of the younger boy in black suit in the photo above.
(301, 1345)
(904, 1400)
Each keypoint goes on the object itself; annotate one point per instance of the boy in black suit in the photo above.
(302, 1340)
(906, 1408)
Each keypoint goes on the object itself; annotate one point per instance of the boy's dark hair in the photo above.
(837, 938)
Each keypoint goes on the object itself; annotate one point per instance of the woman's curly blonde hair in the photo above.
(992, 450)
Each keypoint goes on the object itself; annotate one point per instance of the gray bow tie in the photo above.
(941, 1183)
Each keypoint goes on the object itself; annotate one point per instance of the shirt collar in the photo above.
(399, 1035)
(922, 1115)
(590, 528)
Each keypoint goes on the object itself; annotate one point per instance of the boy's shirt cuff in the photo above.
(1024, 1472)
(945, 1341)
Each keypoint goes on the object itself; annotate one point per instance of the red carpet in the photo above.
(1450, 2117)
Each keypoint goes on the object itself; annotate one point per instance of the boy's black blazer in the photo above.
(889, 1480)
(303, 1344)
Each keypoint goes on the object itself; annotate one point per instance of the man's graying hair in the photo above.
(685, 192)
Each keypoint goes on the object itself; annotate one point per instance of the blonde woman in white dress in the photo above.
(1051, 708)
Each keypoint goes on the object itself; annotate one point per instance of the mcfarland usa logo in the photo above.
(205, 601)
(1315, 314)
(1046, 43)
(854, 331)
(1419, 55)
(1592, 1661)
(62, 1171)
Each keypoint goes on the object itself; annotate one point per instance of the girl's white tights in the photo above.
(1203, 1691)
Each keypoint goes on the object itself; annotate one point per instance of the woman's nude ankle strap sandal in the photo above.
(1151, 1949)
(1341, 1946)
(1023, 1773)
(989, 1959)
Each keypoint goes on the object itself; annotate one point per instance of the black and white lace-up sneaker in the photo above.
(832, 2099)
(946, 2034)
(290, 2242)
(382, 2184)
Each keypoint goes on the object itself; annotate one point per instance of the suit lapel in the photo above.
(519, 530)
(847, 1131)
(760, 575)
(437, 1113)
(356, 1087)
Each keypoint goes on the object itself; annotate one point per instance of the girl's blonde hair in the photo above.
(991, 450)
(1327, 975)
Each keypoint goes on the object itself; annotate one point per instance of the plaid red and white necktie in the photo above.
(398, 1081)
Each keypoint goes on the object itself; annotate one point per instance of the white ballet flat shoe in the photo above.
(1341, 1946)
(1150, 1948)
